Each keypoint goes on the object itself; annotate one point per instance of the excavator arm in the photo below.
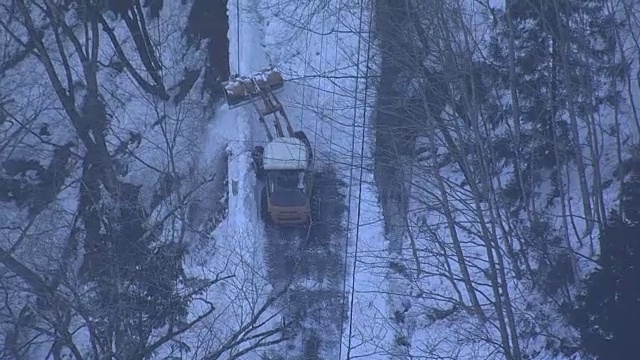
(260, 90)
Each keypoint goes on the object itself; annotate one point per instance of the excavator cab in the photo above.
(286, 167)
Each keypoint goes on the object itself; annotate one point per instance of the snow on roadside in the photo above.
(237, 242)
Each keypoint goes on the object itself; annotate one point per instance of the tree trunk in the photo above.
(513, 85)
(575, 132)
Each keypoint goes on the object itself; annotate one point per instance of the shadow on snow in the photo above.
(312, 259)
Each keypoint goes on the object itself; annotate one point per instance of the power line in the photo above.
(333, 95)
(238, 35)
(364, 123)
(305, 58)
(318, 87)
(346, 248)
(353, 138)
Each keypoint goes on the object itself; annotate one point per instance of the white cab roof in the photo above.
(285, 154)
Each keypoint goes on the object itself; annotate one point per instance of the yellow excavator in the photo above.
(285, 165)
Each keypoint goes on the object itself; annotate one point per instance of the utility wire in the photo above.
(346, 247)
(364, 126)
(352, 160)
(238, 36)
(305, 58)
(318, 87)
(333, 95)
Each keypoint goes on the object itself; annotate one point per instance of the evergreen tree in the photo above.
(137, 279)
(609, 314)
(541, 27)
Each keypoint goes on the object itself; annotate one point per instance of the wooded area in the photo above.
(506, 158)
(514, 131)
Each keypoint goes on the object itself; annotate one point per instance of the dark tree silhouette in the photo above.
(609, 313)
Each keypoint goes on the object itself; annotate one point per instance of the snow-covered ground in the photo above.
(321, 47)
(433, 324)
(317, 46)
(352, 305)
(323, 50)
(184, 140)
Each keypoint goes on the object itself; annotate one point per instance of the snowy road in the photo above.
(311, 262)
(329, 316)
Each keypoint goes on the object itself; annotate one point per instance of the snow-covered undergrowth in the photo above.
(173, 150)
(476, 272)
(486, 271)
(189, 160)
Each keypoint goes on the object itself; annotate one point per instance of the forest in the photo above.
(514, 129)
(502, 140)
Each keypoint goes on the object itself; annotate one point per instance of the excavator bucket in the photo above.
(239, 90)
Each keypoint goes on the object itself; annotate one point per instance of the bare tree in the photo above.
(464, 114)
(95, 186)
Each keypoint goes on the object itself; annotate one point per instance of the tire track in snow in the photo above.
(312, 261)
